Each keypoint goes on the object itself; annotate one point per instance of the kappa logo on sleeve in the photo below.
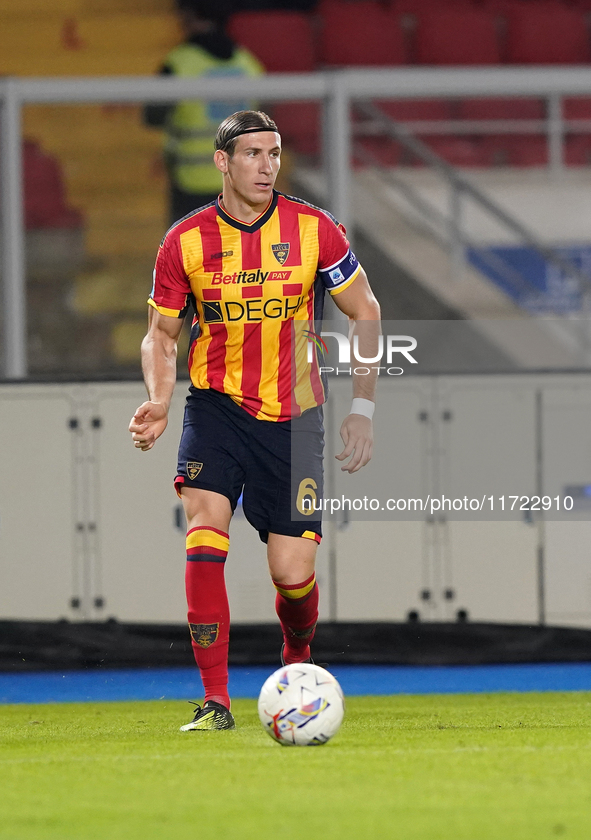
(221, 255)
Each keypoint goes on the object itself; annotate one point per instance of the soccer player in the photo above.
(254, 264)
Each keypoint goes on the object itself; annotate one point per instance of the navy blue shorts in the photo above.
(276, 467)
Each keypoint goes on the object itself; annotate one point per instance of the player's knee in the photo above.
(205, 517)
(203, 507)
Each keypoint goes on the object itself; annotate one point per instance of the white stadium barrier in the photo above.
(91, 528)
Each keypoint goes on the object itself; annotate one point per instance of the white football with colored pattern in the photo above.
(301, 705)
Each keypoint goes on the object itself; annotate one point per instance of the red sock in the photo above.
(209, 612)
(297, 608)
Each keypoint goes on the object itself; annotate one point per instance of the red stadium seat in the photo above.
(547, 34)
(500, 109)
(360, 33)
(503, 7)
(282, 41)
(388, 153)
(299, 125)
(511, 150)
(415, 110)
(577, 151)
(576, 108)
(459, 151)
(45, 199)
(457, 36)
(418, 7)
(402, 110)
(584, 5)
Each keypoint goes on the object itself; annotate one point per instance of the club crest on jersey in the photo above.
(193, 469)
(204, 635)
(281, 252)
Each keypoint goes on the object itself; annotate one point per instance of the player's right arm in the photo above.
(169, 303)
(159, 351)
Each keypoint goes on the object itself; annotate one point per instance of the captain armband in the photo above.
(339, 276)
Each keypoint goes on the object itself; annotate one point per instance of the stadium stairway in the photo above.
(112, 173)
(410, 270)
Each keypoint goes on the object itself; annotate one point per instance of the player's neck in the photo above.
(239, 209)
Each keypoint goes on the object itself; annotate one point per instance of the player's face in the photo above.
(252, 169)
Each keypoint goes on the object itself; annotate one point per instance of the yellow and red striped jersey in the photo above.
(258, 291)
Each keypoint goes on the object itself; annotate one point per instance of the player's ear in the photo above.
(221, 160)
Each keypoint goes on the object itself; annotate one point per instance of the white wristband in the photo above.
(364, 407)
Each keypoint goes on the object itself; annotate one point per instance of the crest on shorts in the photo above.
(204, 635)
(193, 469)
(281, 251)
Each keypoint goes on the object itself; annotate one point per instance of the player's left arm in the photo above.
(358, 302)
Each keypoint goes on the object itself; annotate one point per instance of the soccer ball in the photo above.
(301, 705)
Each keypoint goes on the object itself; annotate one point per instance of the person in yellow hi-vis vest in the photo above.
(191, 125)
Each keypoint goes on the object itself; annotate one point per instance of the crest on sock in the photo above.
(204, 635)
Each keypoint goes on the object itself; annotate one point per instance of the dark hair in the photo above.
(217, 11)
(242, 122)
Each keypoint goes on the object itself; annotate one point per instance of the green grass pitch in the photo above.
(435, 767)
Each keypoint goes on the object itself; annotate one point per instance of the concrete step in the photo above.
(523, 340)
